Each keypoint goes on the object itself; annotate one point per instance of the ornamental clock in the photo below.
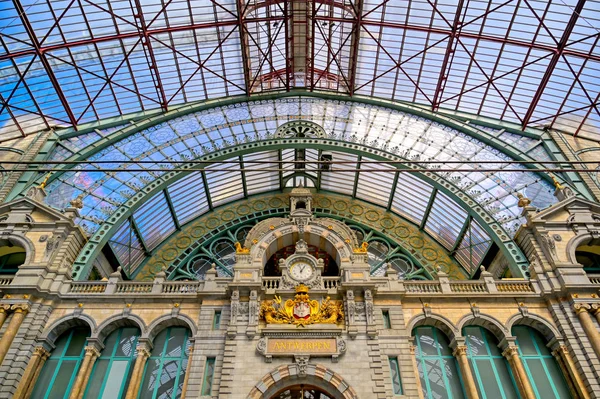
(301, 267)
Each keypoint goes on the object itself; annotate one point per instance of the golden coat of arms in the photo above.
(301, 310)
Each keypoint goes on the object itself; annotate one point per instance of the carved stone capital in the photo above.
(560, 351)
(581, 307)
(91, 350)
(460, 350)
(20, 307)
(510, 351)
(41, 352)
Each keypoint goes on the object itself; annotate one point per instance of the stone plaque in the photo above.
(294, 346)
(317, 347)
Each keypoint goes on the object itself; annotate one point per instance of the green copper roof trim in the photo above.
(416, 110)
(518, 263)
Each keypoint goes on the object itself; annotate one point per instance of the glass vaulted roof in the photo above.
(191, 194)
(68, 63)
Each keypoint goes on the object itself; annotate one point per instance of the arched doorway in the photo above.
(289, 382)
(302, 391)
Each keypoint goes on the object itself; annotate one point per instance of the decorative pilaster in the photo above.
(187, 372)
(83, 375)
(143, 351)
(460, 353)
(416, 370)
(588, 325)
(36, 362)
(566, 363)
(20, 311)
(3, 314)
(511, 353)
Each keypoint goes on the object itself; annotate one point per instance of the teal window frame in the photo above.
(387, 322)
(544, 356)
(112, 358)
(475, 357)
(208, 377)
(395, 375)
(216, 320)
(161, 356)
(423, 359)
(61, 357)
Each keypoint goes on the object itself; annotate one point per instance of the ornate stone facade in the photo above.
(348, 357)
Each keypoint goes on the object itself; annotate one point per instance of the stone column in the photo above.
(83, 375)
(511, 353)
(465, 369)
(588, 325)
(143, 353)
(416, 370)
(20, 311)
(595, 311)
(36, 362)
(187, 372)
(3, 314)
(567, 365)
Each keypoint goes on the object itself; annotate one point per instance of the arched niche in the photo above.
(329, 235)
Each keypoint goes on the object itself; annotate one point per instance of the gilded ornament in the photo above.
(523, 201)
(301, 310)
(362, 249)
(241, 250)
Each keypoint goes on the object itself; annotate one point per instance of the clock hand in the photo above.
(302, 269)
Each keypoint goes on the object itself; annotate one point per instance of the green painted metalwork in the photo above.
(60, 370)
(438, 369)
(395, 375)
(165, 369)
(518, 263)
(137, 126)
(542, 369)
(112, 370)
(177, 252)
(492, 374)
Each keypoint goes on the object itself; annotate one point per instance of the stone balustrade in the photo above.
(6, 279)
(271, 284)
(594, 278)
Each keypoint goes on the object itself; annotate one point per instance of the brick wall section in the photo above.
(588, 364)
(18, 355)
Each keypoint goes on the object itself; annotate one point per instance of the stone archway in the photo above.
(315, 375)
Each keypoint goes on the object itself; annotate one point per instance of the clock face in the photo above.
(301, 271)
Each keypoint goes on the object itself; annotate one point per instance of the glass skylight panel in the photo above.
(445, 220)
(127, 247)
(375, 187)
(154, 220)
(261, 181)
(340, 182)
(224, 184)
(411, 197)
(188, 197)
(473, 247)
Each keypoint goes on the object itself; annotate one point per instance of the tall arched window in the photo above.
(59, 371)
(490, 369)
(112, 370)
(438, 369)
(165, 369)
(543, 371)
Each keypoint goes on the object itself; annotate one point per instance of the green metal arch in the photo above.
(412, 109)
(518, 263)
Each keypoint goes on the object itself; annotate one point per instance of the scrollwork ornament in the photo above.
(20, 307)
(302, 362)
(261, 346)
(341, 345)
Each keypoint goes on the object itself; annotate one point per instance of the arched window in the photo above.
(11, 257)
(438, 369)
(60, 370)
(491, 371)
(165, 369)
(112, 370)
(544, 373)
